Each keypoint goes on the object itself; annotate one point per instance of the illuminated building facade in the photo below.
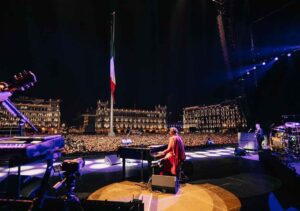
(44, 114)
(131, 119)
(223, 117)
(88, 120)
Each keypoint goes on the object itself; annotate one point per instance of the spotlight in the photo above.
(254, 68)
(248, 73)
(289, 54)
(264, 63)
(276, 58)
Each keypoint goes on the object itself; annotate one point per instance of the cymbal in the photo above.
(292, 124)
(280, 128)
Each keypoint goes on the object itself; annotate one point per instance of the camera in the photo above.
(72, 166)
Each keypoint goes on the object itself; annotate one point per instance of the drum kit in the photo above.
(286, 138)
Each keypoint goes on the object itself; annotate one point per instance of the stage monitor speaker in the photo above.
(166, 184)
(239, 151)
(112, 159)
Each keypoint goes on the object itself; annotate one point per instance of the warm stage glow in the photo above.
(189, 197)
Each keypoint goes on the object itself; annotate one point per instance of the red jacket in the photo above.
(174, 154)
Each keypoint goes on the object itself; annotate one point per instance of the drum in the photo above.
(286, 138)
(280, 128)
(277, 140)
(293, 144)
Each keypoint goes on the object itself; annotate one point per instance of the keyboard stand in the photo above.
(38, 201)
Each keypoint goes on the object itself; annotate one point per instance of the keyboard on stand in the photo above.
(29, 147)
(20, 150)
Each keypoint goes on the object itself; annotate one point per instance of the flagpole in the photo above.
(111, 131)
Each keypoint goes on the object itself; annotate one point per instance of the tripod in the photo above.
(72, 202)
(72, 171)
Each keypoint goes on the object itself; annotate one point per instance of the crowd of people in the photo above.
(75, 143)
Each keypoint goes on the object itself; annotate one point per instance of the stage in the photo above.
(219, 180)
(189, 197)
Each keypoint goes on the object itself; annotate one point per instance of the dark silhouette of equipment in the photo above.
(166, 184)
(112, 159)
(20, 150)
(71, 170)
(239, 151)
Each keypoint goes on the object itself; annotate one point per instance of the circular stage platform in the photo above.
(189, 197)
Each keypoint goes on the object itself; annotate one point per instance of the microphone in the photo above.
(249, 130)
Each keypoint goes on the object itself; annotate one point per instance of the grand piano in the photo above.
(140, 152)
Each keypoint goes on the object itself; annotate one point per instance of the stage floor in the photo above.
(192, 197)
(98, 165)
(211, 172)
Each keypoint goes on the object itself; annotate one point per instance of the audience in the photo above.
(103, 143)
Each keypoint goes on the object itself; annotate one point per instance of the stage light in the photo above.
(198, 156)
(264, 63)
(213, 151)
(189, 153)
(276, 58)
(213, 155)
(15, 169)
(98, 166)
(248, 73)
(33, 172)
(89, 162)
(254, 68)
(99, 161)
(289, 54)
(224, 153)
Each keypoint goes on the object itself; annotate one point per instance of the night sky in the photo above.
(167, 52)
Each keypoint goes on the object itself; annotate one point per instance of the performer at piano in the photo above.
(174, 155)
